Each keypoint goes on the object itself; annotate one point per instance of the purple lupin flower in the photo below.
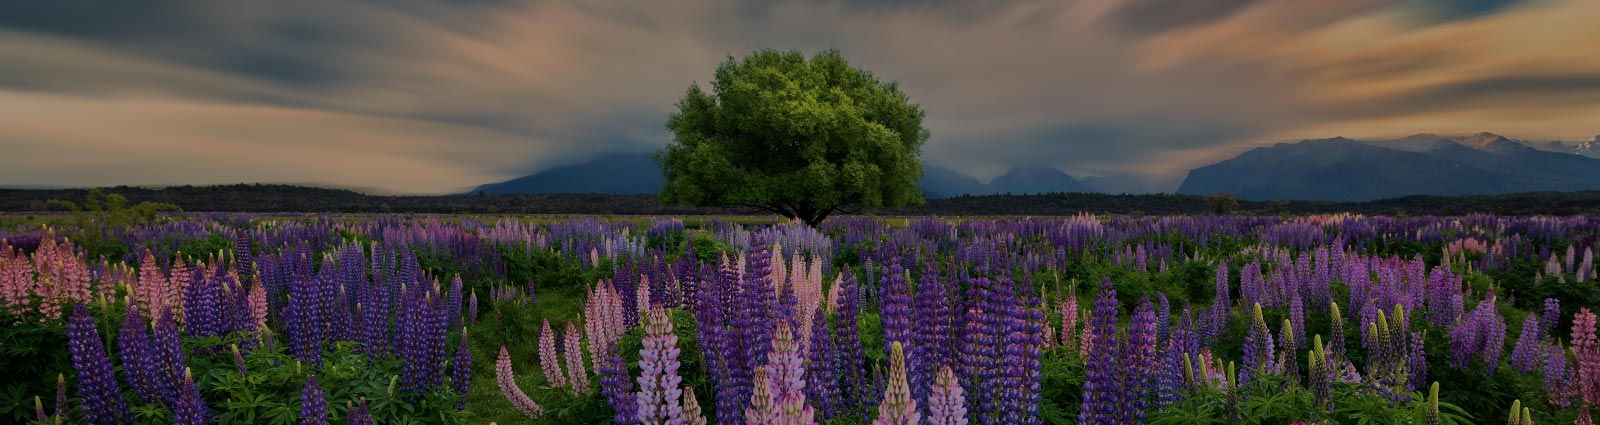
(1551, 318)
(1417, 362)
(1258, 348)
(1527, 354)
(851, 363)
(934, 320)
(1297, 318)
(133, 347)
(898, 318)
(189, 409)
(1102, 389)
(313, 408)
(461, 379)
(617, 386)
(164, 367)
(1138, 364)
(659, 389)
(357, 413)
(97, 383)
(822, 378)
(472, 308)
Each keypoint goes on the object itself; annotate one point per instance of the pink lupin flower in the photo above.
(549, 363)
(508, 387)
(946, 404)
(692, 415)
(897, 407)
(577, 375)
(659, 380)
(257, 298)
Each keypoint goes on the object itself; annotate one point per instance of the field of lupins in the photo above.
(282, 319)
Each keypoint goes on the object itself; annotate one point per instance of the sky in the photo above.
(433, 96)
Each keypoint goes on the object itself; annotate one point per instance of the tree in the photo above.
(1278, 207)
(795, 137)
(1222, 203)
(101, 211)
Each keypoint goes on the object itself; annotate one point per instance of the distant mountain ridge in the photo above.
(637, 173)
(941, 182)
(1341, 169)
(611, 174)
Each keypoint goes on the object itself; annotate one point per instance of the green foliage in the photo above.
(39, 349)
(269, 391)
(793, 136)
(101, 211)
(1268, 400)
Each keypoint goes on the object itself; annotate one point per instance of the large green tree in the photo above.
(802, 138)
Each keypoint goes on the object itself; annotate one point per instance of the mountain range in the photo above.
(1341, 169)
(1337, 169)
(616, 174)
(637, 173)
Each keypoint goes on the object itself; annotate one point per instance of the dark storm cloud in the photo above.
(1154, 16)
(1462, 9)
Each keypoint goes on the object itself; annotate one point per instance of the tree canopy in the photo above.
(802, 138)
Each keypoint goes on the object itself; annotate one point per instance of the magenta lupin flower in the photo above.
(659, 382)
(947, 405)
(508, 387)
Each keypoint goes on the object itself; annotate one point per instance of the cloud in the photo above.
(429, 97)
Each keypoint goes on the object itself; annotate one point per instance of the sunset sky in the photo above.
(430, 96)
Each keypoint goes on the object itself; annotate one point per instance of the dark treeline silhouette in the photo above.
(289, 198)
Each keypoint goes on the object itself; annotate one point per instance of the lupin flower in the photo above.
(617, 386)
(822, 379)
(133, 347)
(1258, 347)
(1551, 316)
(190, 409)
(97, 383)
(1525, 355)
(549, 361)
(577, 375)
(472, 307)
(1287, 360)
(1432, 415)
(897, 407)
(1320, 372)
(357, 413)
(313, 407)
(508, 387)
(1587, 350)
(1102, 390)
(658, 363)
(461, 380)
(1519, 415)
(1336, 334)
(1138, 363)
(692, 415)
(946, 403)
